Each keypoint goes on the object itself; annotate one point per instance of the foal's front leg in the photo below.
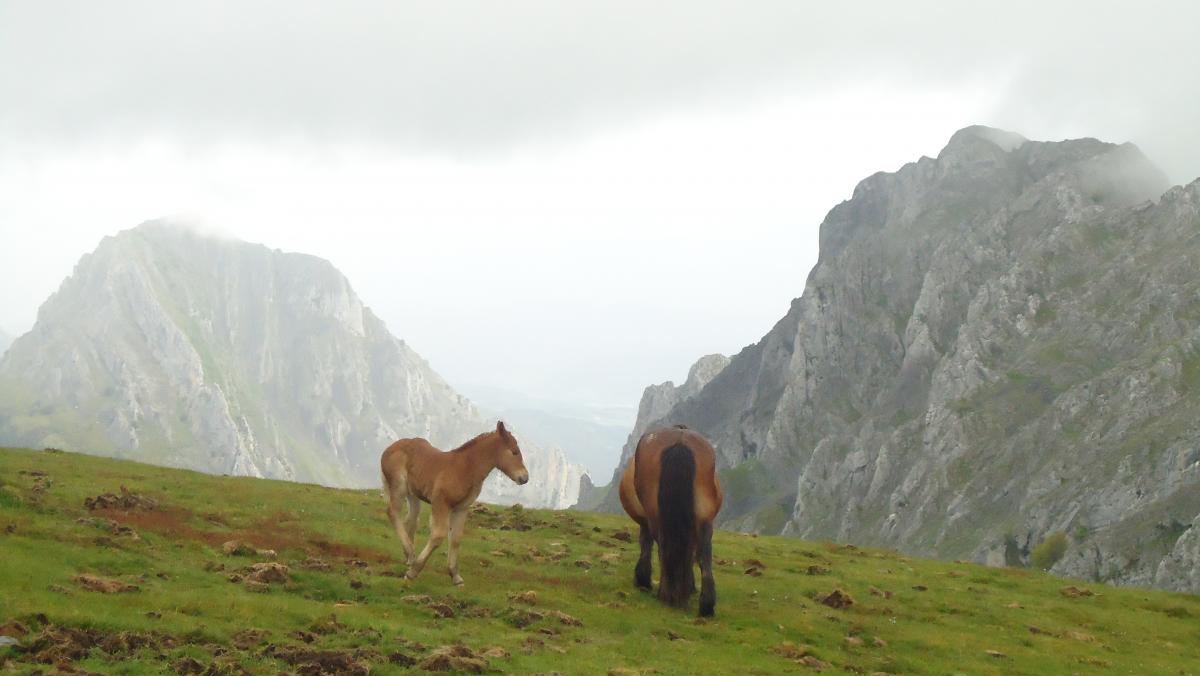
(438, 524)
(458, 523)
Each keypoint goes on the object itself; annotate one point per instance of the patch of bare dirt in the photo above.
(326, 625)
(63, 645)
(104, 585)
(306, 660)
(126, 501)
(454, 658)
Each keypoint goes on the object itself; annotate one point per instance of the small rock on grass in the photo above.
(837, 599)
(791, 650)
(566, 619)
(442, 610)
(813, 662)
(267, 573)
(526, 597)
(995, 653)
(1073, 592)
(13, 628)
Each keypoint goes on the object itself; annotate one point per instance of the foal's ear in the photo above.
(500, 427)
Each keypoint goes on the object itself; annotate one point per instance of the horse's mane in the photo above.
(478, 438)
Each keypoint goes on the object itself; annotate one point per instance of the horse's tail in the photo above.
(677, 523)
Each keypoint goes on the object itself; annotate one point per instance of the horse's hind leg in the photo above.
(410, 526)
(439, 522)
(396, 500)
(644, 569)
(708, 588)
(458, 523)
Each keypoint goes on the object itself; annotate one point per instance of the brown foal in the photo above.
(414, 472)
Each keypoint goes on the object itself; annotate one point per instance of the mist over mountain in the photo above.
(5, 341)
(182, 349)
(591, 436)
(997, 345)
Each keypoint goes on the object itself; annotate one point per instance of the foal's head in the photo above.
(508, 456)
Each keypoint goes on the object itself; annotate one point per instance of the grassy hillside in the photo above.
(341, 607)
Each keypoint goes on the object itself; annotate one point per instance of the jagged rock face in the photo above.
(175, 348)
(553, 481)
(5, 341)
(996, 344)
(658, 401)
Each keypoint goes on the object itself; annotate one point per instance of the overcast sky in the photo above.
(568, 199)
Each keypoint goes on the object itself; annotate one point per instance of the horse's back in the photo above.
(396, 457)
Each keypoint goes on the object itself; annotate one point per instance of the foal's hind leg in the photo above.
(395, 510)
(641, 573)
(438, 525)
(410, 527)
(708, 588)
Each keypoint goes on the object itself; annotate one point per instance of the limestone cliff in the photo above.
(176, 348)
(996, 344)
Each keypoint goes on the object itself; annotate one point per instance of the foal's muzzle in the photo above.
(522, 478)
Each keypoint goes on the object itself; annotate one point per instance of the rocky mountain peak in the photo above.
(176, 347)
(966, 137)
(993, 347)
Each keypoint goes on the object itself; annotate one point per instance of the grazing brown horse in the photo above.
(415, 471)
(670, 489)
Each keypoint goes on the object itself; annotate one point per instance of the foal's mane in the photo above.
(478, 438)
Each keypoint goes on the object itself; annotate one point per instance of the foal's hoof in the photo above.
(458, 581)
(411, 574)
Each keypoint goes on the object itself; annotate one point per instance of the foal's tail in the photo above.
(677, 523)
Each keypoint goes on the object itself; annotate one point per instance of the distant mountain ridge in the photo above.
(177, 348)
(996, 345)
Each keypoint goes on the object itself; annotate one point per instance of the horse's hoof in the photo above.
(458, 582)
(410, 575)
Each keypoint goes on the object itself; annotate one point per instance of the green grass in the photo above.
(947, 628)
